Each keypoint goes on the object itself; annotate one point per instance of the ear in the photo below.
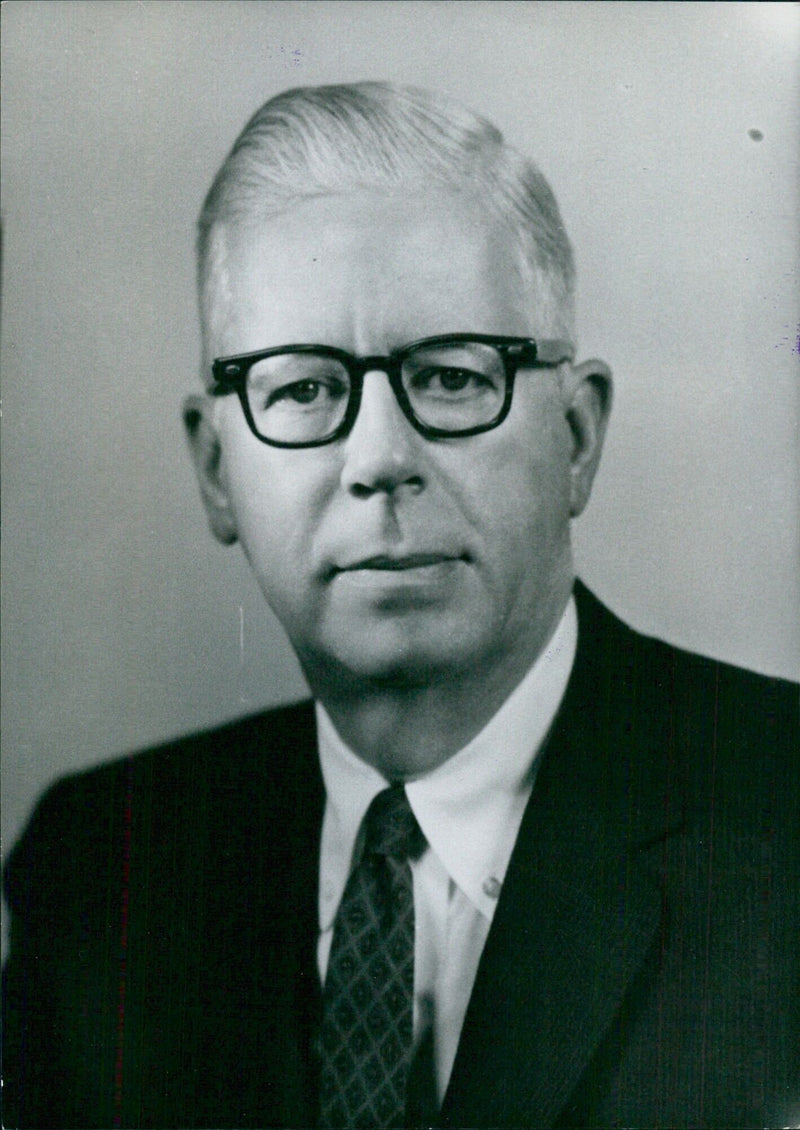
(204, 444)
(588, 394)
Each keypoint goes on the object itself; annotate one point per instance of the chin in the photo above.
(381, 658)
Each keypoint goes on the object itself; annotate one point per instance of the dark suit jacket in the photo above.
(642, 968)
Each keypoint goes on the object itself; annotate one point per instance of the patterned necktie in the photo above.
(367, 1023)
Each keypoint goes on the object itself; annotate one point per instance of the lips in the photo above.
(412, 563)
(400, 563)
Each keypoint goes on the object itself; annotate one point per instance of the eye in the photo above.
(303, 392)
(454, 380)
(438, 380)
(307, 391)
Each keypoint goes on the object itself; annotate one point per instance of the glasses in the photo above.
(449, 386)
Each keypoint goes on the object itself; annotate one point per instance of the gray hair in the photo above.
(314, 141)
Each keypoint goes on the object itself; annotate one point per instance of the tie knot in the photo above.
(391, 828)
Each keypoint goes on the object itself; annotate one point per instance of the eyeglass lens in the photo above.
(303, 397)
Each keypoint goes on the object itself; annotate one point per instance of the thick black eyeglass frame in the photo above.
(230, 375)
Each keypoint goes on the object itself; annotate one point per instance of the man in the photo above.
(516, 865)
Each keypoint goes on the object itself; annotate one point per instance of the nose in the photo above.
(382, 452)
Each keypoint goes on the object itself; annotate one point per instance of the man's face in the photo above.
(386, 555)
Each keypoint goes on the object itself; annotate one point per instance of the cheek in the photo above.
(277, 499)
(519, 482)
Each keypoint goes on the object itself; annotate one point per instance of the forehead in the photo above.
(371, 270)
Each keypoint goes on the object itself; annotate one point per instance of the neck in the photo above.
(405, 729)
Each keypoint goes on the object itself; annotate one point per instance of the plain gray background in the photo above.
(670, 135)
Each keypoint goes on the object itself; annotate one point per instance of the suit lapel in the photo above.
(301, 1097)
(579, 912)
(569, 936)
(288, 827)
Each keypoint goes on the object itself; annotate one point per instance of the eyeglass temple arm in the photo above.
(553, 351)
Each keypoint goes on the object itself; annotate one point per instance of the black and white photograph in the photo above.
(401, 564)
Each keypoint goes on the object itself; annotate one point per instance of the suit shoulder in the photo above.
(729, 736)
(217, 753)
(683, 675)
(216, 779)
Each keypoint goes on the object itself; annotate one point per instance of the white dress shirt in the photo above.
(470, 809)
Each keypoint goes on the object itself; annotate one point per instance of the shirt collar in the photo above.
(471, 806)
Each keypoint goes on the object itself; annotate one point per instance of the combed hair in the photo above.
(315, 141)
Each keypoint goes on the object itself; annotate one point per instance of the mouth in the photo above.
(390, 564)
(382, 569)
